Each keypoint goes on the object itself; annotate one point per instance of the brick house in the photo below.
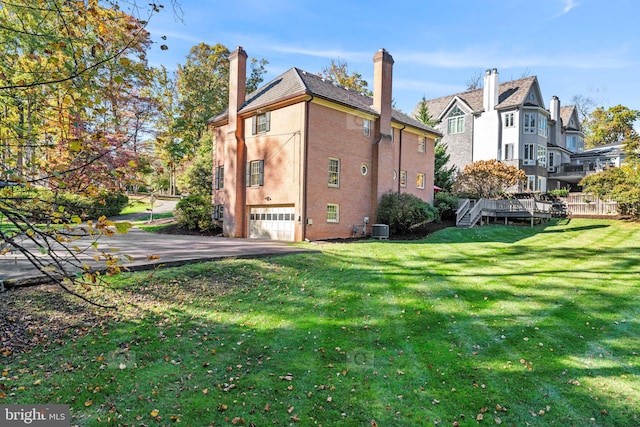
(509, 122)
(302, 158)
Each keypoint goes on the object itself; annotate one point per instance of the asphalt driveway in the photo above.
(146, 250)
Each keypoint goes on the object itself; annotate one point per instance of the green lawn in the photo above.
(515, 326)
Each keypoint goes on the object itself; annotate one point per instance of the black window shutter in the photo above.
(253, 125)
(268, 119)
(216, 183)
(248, 177)
(261, 173)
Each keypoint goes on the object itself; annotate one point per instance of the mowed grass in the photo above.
(497, 325)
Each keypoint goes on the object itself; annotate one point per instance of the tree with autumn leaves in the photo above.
(488, 179)
(621, 184)
(73, 78)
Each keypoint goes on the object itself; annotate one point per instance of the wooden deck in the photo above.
(472, 212)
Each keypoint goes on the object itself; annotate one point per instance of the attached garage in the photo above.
(272, 223)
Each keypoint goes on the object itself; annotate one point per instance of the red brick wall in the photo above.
(331, 133)
(336, 134)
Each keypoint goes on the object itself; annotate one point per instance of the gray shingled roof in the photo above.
(510, 94)
(295, 82)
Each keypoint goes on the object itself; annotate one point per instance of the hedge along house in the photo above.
(302, 158)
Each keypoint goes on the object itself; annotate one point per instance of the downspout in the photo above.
(400, 157)
(305, 169)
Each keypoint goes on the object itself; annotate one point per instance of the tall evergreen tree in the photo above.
(443, 175)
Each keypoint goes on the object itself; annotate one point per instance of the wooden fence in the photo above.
(578, 204)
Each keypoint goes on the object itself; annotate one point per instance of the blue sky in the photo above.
(574, 47)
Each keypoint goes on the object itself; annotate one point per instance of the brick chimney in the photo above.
(234, 149)
(490, 91)
(382, 153)
(382, 78)
(237, 84)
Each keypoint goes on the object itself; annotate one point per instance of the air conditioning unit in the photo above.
(380, 231)
(552, 169)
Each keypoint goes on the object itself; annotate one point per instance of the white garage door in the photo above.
(272, 223)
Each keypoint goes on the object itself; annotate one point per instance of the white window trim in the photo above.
(528, 126)
(366, 127)
(542, 155)
(422, 145)
(508, 151)
(403, 178)
(509, 120)
(337, 212)
(528, 157)
(455, 121)
(335, 173)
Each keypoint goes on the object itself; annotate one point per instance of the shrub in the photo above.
(195, 213)
(104, 204)
(446, 203)
(561, 192)
(42, 205)
(403, 211)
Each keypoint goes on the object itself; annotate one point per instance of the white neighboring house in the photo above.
(509, 122)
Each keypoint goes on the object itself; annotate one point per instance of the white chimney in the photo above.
(554, 109)
(490, 92)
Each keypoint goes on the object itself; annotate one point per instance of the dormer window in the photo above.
(455, 121)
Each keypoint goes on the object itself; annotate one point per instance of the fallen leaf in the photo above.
(154, 413)
(88, 402)
(479, 417)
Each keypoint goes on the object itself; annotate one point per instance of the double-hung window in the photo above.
(420, 180)
(261, 123)
(366, 127)
(334, 172)
(255, 173)
(422, 145)
(333, 212)
(218, 212)
(219, 178)
(403, 178)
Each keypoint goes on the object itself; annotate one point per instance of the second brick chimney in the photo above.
(382, 78)
(237, 84)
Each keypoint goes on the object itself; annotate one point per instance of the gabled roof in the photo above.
(566, 113)
(510, 94)
(295, 82)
